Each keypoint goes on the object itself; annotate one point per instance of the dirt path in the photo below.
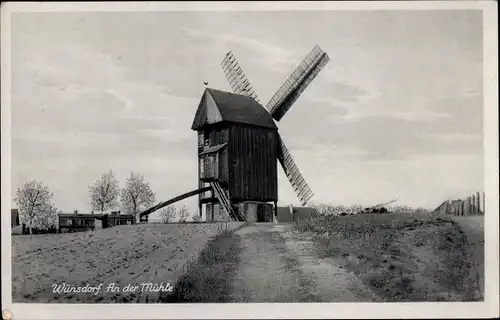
(280, 265)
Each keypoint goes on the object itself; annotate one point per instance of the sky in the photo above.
(396, 114)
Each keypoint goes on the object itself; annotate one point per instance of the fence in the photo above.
(471, 205)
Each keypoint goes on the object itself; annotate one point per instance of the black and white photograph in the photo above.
(194, 154)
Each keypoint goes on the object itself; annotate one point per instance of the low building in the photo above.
(71, 222)
(116, 219)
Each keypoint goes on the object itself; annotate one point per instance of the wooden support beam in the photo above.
(173, 200)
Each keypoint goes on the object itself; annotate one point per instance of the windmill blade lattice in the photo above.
(236, 77)
(299, 184)
(297, 82)
(280, 103)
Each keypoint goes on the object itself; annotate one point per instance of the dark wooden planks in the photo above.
(253, 167)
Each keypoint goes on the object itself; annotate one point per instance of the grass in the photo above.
(400, 256)
(206, 279)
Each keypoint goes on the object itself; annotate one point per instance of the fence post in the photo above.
(478, 203)
(484, 203)
(448, 207)
(474, 204)
(469, 206)
(476, 208)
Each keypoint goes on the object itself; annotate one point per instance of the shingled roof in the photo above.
(218, 106)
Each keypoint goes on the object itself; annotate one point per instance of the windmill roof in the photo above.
(213, 149)
(218, 106)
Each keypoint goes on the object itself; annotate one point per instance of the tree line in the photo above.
(37, 208)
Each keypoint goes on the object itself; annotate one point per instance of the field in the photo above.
(324, 258)
(150, 253)
(406, 256)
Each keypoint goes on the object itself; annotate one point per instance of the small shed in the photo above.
(14, 218)
(292, 214)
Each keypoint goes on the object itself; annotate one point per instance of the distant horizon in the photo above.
(396, 113)
(310, 204)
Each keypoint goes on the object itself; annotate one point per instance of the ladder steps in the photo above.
(224, 201)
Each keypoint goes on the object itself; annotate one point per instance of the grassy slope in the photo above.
(401, 256)
(473, 227)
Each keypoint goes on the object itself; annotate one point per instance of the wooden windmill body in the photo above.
(239, 145)
(237, 149)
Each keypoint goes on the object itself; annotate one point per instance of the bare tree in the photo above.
(36, 206)
(104, 192)
(168, 214)
(136, 194)
(183, 213)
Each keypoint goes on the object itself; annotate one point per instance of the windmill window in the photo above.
(206, 137)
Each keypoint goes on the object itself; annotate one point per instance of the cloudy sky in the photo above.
(397, 113)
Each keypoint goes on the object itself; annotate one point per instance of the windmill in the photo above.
(238, 145)
(280, 103)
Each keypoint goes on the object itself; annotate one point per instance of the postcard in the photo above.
(250, 160)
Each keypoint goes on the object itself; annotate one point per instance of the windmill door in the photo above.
(209, 166)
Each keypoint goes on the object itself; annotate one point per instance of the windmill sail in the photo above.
(380, 205)
(297, 82)
(299, 184)
(237, 79)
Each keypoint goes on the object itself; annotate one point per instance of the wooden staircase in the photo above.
(224, 201)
